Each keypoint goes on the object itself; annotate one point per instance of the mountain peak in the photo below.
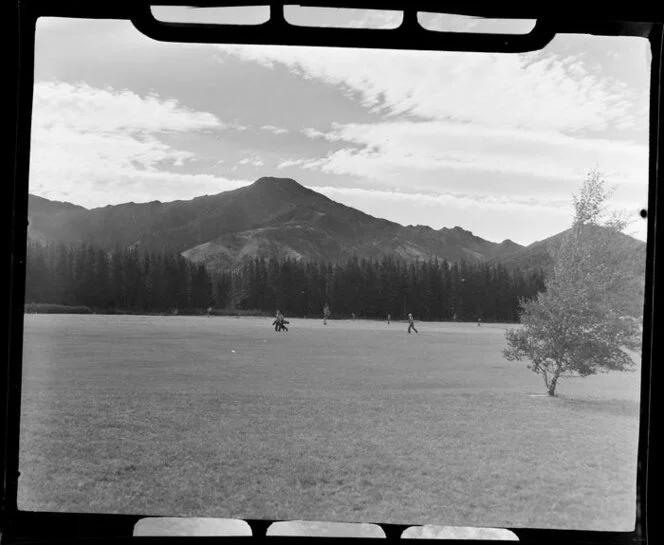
(43, 201)
(279, 182)
(274, 187)
(420, 227)
(457, 230)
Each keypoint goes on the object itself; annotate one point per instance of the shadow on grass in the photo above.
(614, 407)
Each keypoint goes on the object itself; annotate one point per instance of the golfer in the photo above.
(278, 321)
(411, 324)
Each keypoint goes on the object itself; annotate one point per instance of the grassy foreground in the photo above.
(353, 421)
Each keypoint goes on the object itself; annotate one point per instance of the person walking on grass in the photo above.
(278, 321)
(411, 324)
(389, 317)
(326, 313)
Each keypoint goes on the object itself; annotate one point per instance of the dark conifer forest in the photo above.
(130, 280)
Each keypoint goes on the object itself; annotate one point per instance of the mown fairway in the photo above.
(353, 421)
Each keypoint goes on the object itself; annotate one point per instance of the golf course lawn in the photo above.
(349, 421)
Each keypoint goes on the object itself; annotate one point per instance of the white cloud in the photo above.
(89, 109)
(290, 163)
(395, 151)
(273, 129)
(100, 146)
(255, 162)
(313, 133)
(539, 116)
(98, 169)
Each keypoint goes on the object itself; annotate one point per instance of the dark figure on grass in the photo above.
(389, 317)
(326, 313)
(411, 323)
(280, 322)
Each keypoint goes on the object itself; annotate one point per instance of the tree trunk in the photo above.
(552, 385)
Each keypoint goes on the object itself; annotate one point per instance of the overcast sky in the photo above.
(494, 143)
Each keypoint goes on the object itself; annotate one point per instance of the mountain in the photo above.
(181, 225)
(274, 217)
(54, 220)
(628, 253)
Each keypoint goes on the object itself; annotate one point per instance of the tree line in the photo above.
(132, 280)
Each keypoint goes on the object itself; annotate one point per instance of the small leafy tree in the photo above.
(584, 322)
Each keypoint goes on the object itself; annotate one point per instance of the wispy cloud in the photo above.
(237, 126)
(462, 200)
(528, 91)
(493, 218)
(395, 151)
(273, 129)
(289, 163)
(315, 133)
(251, 161)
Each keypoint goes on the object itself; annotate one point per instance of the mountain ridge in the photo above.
(274, 217)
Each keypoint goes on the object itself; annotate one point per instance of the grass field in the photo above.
(353, 421)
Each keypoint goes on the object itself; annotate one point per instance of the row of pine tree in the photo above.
(134, 281)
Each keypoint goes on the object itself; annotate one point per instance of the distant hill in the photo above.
(278, 217)
(628, 253)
